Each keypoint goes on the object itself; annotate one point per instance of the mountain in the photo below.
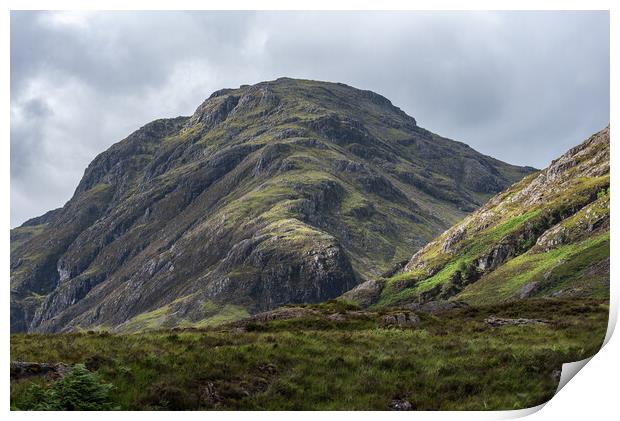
(545, 236)
(282, 192)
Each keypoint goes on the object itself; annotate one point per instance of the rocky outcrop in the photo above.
(52, 371)
(365, 293)
(401, 320)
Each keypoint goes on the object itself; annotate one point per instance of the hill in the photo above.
(545, 236)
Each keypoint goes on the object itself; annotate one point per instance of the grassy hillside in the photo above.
(547, 235)
(331, 356)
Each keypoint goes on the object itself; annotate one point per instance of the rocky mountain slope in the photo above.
(282, 192)
(547, 235)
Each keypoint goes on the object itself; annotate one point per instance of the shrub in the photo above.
(602, 193)
(79, 390)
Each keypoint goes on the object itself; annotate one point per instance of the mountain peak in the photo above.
(286, 96)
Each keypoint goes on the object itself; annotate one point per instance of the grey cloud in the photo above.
(30, 136)
(520, 86)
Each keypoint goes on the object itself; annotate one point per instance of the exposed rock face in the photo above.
(283, 192)
(528, 290)
(365, 293)
(545, 236)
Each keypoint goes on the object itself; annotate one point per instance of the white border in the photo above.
(591, 394)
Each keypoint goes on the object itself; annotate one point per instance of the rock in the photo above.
(528, 289)
(53, 371)
(341, 129)
(336, 317)
(499, 321)
(453, 237)
(365, 293)
(209, 395)
(401, 320)
(400, 405)
(556, 375)
(498, 255)
(552, 238)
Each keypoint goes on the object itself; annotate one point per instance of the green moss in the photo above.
(210, 313)
(185, 134)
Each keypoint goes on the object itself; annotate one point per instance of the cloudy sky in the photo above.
(520, 86)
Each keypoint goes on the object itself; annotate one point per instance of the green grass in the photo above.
(20, 235)
(450, 362)
(218, 315)
(500, 231)
(147, 320)
(505, 282)
(210, 314)
(565, 262)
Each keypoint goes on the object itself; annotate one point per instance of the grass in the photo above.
(22, 234)
(500, 231)
(590, 195)
(211, 314)
(565, 263)
(218, 316)
(450, 362)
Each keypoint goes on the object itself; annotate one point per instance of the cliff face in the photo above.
(547, 235)
(283, 192)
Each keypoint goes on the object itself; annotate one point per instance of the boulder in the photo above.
(401, 319)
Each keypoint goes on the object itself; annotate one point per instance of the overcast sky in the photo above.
(520, 86)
